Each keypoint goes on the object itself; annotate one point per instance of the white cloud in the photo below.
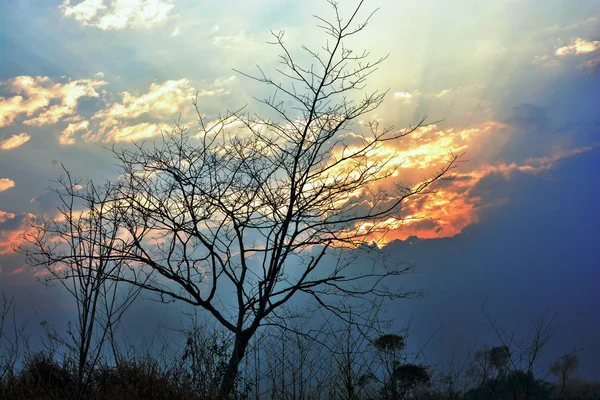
(579, 46)
(231, 41)
(40, 94)
(84, 11)
(163, 100)
(403, 95)
(118, 14)
(443, 93)
(546, 61)
(219, 82)
(67, 136)
(51, 116)
(141, 131)
(14, 141)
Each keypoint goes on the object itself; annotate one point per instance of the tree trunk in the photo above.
(239, 349)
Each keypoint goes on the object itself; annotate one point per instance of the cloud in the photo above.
(52, 101)
(84, 11)
(131, 117)
(17, 271)
(528, 115)
(5, 216)
(594, 63)
(118, 14)
(47, 102)
(67, 136)
(412, 96)
(406, 96)
(220, 82)
(12, 228)
(50, 116)
(546, 61)
(457, 203)
(578, 46)
(14, 141)
(137, 132)
(575, 25)
(162, 101)
(443, 93)
(6, 184)
(410, 160)
(232, 41)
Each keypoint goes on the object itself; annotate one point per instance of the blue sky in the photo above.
(513, 83)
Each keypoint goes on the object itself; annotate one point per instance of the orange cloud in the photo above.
(592, 64)
(6, 184)
(12, 228)
(453, 205)
(5, 216)
(14, 141)
(17, 271)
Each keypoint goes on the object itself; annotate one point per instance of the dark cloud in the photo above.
(528, 116)
(498, 185)
(535, 252)
(14, 223)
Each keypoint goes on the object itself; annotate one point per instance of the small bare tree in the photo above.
(12, 338)
(522, 356)
(238, 219)
(77, 249)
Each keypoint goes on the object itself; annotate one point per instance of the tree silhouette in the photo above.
(390, 347)
(78, 250)
(409, 377)
(499, 358)
(564, 367)
(238, 218)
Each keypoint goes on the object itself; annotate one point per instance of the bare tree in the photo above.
(355, 360)
(12, 338)
(77, 249)
(238, 218)
(522, 356)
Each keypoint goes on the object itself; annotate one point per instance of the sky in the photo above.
(510, 84)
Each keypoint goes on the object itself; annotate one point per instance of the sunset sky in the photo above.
(512, 85)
